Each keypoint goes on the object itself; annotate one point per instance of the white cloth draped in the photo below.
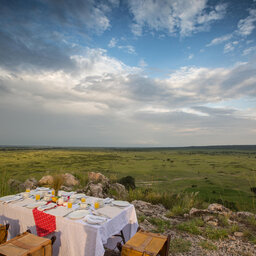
(74, 237)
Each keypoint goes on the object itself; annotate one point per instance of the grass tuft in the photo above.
(179, 245)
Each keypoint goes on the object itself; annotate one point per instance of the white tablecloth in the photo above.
(74, 238)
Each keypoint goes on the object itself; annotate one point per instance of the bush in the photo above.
(128, 182)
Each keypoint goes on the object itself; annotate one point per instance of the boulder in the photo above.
(70, 180)
(46, 180)
(16, 185)
(148, 209)
(217, 208)
(97, 177)
(197, 212)
(95, 190)
(117, 191)
(30, 183)
(245, 214)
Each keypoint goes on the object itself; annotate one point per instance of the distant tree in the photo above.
(128, 182)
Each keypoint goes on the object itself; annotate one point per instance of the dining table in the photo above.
(78, 233)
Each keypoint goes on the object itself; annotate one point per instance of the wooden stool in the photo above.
(144, 243)
(3, 233)
(27, 244)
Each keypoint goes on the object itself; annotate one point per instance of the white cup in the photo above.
(83, 205)
(26, 195)
(60, 201)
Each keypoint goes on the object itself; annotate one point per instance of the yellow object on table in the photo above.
(28, 190)
(54, 199)
(38, 197)
(144, 243)
(83, 200)
(69, 205)
(96, 205)
(53, 192)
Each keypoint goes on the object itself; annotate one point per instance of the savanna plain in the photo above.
(225, 175)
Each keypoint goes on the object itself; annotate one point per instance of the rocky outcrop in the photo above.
(69, 181)
(30, 183)
(100, 186)
(46, 181)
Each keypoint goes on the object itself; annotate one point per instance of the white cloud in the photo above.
(247, 25)
(103, 100)
(250, 50)
(191, 56)
(182, 16)
(219, 40)
(128, 48)
(112, 43)
(229, 47)
(142, 63)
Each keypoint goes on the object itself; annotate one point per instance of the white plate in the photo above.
(6, 198)
(78, 214)
(45, 207)
(42, 189)
(79, 196)
(91, 219)
(34, 205)
(120, 203)
(11, 198)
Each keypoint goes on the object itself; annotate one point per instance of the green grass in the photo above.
(179, 245)
(161, 225)
(191, 226)
(223, 175)
(216, 233)
(208, 245)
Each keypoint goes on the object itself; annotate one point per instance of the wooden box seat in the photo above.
(27, 244)
(3, 233)
(144, 243)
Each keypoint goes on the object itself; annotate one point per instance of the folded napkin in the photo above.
(108, 200)
(92, 219)
(45, 223)
(109, 211)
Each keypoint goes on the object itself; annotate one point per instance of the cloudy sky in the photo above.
(127, 73)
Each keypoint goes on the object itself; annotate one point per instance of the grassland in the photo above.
(219, 174)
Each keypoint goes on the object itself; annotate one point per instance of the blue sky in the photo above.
(127, 73)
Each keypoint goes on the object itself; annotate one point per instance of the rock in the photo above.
(46, 180)
(213, 223)
(214, 208)
(97, 177)
(208, 218)
(15, 184)
(30, 183)
(244, 214)
(238, 234)
(95, 190)
(197, 212)
(70, 180)
(149, 209)
(118, 190)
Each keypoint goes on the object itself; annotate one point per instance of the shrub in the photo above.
(128, 182)
(179, 245)
(191, 226)
(161, 225)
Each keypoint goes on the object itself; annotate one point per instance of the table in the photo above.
(74, 237)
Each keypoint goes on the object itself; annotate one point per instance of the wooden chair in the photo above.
(3, 233)
(27, 244)
(144, 243)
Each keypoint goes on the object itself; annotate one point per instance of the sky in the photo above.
(131, 73)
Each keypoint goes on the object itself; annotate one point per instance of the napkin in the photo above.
(45, 223)
(92, 219)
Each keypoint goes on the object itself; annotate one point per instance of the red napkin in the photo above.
(45, 223)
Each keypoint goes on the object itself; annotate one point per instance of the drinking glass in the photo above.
(69, 205)
(96, 205)
(27, 190)
(83, 200)
(37, 197)
(53, 192)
